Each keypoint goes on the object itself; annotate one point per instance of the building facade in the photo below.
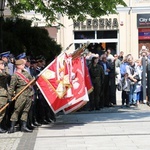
(126, 31)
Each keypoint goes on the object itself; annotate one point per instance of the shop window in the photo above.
(84, 35)
(107, 34)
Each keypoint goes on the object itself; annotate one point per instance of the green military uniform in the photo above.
(97, 78)
(23, 102)
(3, 92)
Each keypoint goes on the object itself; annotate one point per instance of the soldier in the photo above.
(23, 102)
(27, 68)
(4, 56)
(45, 115)
(97, 77)
(3, 92)
(33, 118)
(21, 56)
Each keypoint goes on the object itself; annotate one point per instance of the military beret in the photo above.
(19, 62)
(21, 56)
(5, 54)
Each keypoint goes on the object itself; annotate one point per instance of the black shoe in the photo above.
(36, 123)
(33, 125)
(24, 127)
(45, 122)
(49, 120)
(30, 127)
(12, 128)
(53, 119)
(2, 130)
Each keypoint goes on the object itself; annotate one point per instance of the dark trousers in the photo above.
(112, 90)
(95, 96)
(44, 110)
(125, 97)
(106, 99)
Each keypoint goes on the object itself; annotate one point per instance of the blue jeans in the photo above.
(133, 94)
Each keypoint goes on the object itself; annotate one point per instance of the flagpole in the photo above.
(74, 55)
(14, 98)
(79, 51)
(54, 59)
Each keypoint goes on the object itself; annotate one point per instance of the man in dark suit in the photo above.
(105, 94)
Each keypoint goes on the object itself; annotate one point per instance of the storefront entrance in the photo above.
(99, 40)
(145, 43)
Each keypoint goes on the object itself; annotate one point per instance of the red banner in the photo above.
(81, 99)
(87, 78)
(62, 83)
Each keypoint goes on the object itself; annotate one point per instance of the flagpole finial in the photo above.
(68, 47)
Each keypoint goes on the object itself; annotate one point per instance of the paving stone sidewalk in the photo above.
(110, 128)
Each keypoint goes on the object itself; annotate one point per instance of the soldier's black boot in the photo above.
(2, 130)
(24, 127)
(35, 122)
(12, 128)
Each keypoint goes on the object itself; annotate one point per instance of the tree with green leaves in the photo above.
(74, 9)
(19, 36)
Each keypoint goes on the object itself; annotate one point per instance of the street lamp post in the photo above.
(2, 5)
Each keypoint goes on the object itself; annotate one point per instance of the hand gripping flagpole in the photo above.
(14, 98)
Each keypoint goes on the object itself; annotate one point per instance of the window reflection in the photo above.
(107, 34)
(84, 35)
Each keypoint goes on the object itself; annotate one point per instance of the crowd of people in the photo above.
(30, 109)
(110, 72)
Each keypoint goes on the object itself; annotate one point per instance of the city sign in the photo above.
(95, 24)
(143, 20)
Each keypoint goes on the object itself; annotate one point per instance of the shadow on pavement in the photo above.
(107, 115)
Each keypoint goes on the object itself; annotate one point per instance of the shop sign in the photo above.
(143, 20)
(144, 34)
(95, 24)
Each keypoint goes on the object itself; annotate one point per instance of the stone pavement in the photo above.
(113, 128)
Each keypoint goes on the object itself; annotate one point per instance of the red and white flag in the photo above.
(64, 83)
(87, 78)
(82, 99)
(54, 82)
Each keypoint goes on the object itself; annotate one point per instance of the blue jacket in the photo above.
(123, 68)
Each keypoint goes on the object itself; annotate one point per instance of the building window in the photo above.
(84, 35)
(107, 34)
